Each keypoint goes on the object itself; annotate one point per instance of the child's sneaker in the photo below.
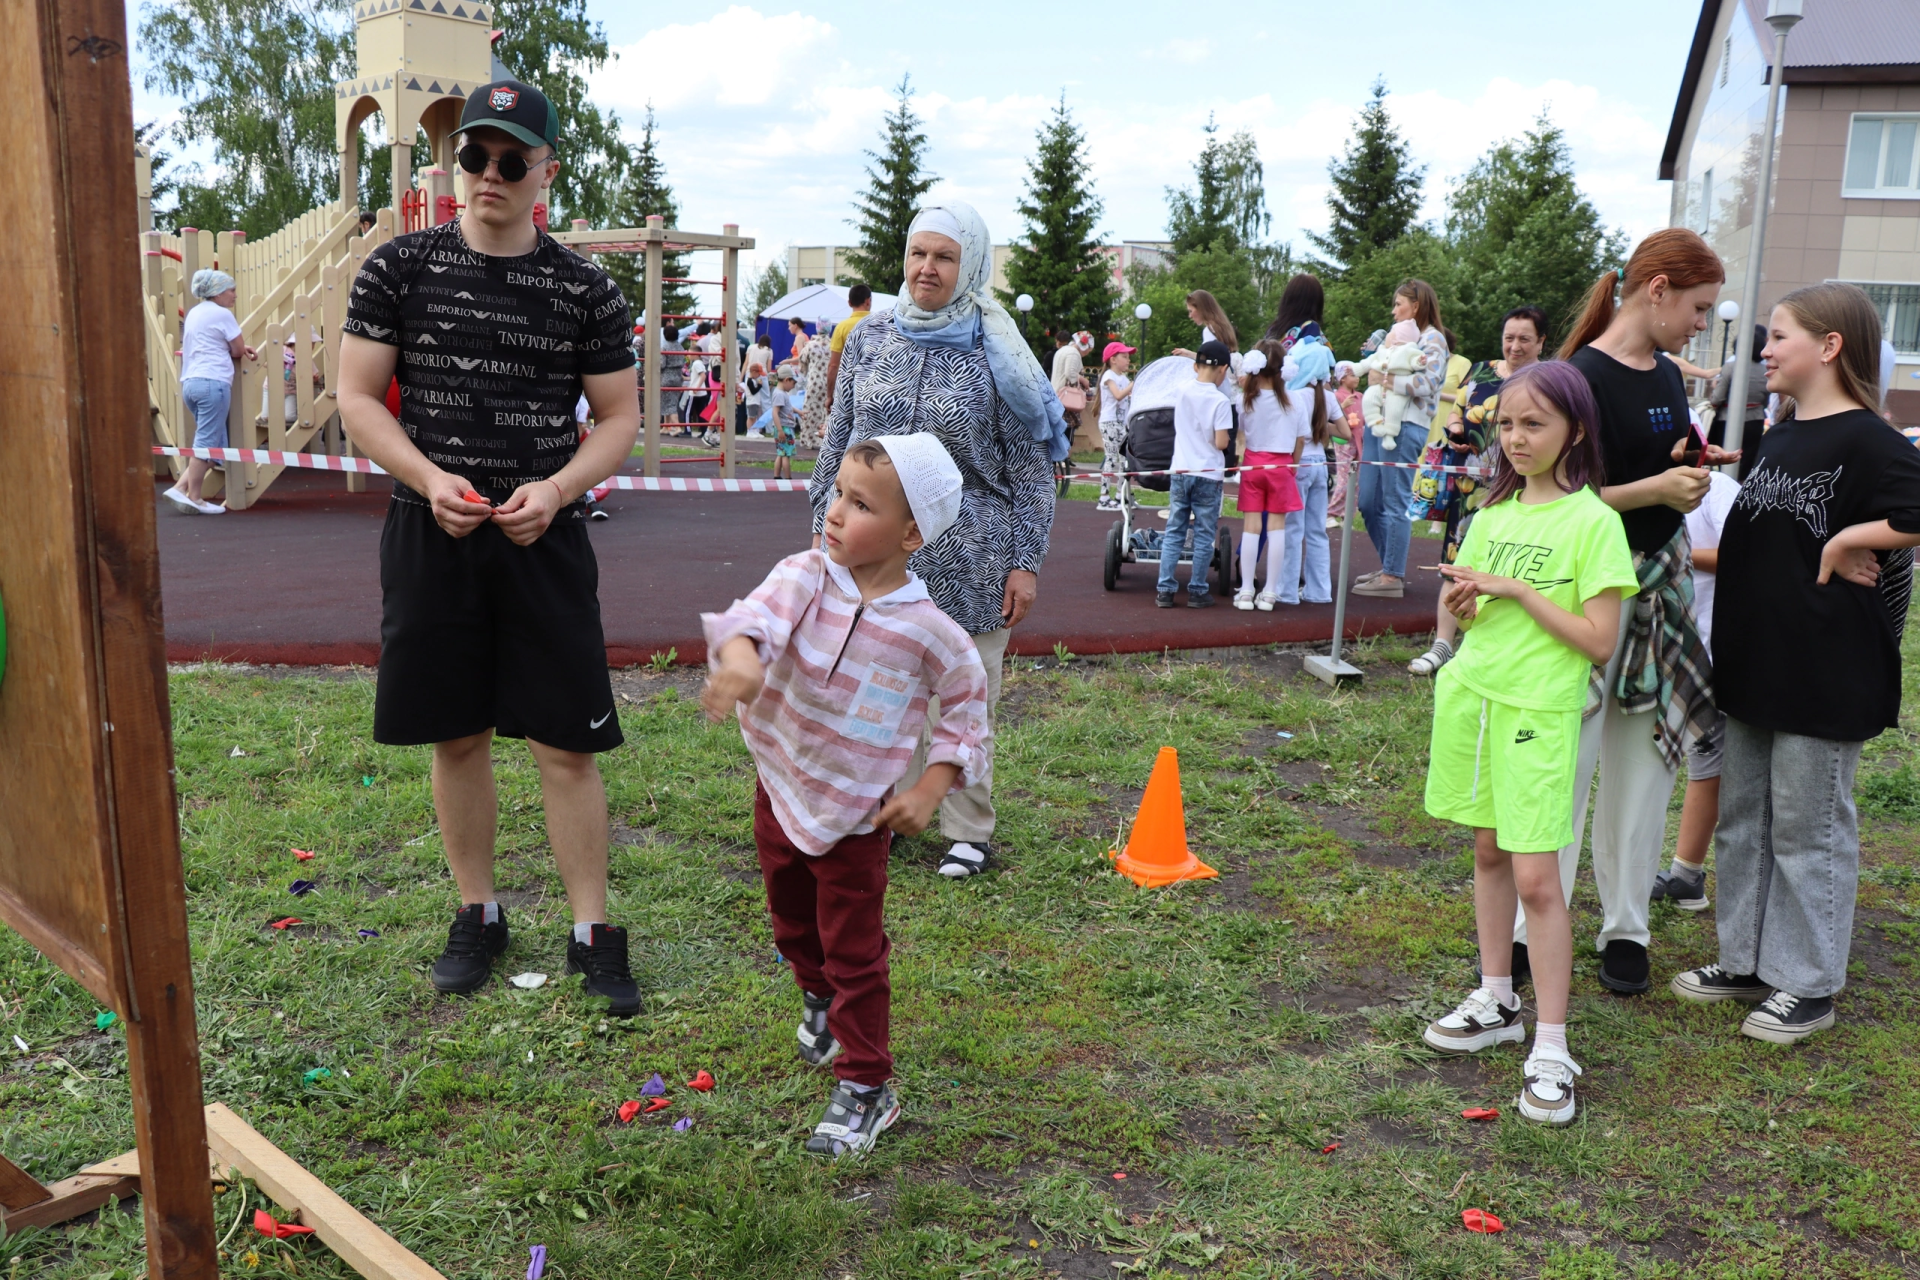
(472, 946)
(1479, 1022)
(854, 1117)
(603, 961)
(1712, 984)
(1265, 601)
(1547, 1097)
(966, 858)
(1788, 1019)
(817, 1045)
(1685, 889)
(1243, 599)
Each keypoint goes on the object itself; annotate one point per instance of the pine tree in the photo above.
(897, 180)
(1376, 190)
(1202, 217)
(645, 190)
(768, 287)
(1058, 261)
(1522, 234)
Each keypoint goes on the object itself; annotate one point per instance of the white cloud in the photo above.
(1188, 52)
(737, 58)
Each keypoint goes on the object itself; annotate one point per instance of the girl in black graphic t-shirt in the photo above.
(1815, 570)
(1667, 294)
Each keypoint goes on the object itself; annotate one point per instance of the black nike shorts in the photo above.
(478, 634)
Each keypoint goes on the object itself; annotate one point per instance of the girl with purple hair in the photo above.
(1537, 589)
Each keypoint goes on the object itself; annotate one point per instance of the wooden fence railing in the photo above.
(292, 297)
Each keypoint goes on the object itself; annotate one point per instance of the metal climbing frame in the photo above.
(655, 241)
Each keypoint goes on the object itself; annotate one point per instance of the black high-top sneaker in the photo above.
(467, 962)
(604, 962)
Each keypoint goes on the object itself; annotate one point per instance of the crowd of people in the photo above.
(865, 672)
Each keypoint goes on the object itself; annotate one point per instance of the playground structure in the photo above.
(417, 62)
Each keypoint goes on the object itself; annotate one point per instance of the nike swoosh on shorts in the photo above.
(595, 724)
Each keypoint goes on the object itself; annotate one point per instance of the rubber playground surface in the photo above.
(296, 579)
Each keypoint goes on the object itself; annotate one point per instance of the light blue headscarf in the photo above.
(1017, 376)
(208, 281)
(1307, 363)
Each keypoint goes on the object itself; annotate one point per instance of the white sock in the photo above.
(1502, 989)
(583, 932)
(1691, 868)
(1550, 1035)
(490, 912)
(1276, 554)
(1249, 558)
(1442, 647)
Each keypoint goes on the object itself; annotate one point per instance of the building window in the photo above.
(1726, 57)
(1899, 306)
(1706, 203)
(1881, 159)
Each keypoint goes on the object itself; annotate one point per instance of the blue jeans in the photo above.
(1385, 493)
(207, 399)
(1307, 541)
(1195, 500)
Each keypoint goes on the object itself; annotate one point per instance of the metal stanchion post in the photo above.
(1332, 668)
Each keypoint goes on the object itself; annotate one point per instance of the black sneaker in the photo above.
(1163, 600)
(966, 858)
(1684, 889)
(472, 944)
(853, 1119)
(597, 514)
(1202, 601)
(604, 962)
(1522, 968)
(817, 1045)
(1789, 1019)
(1713, 984)
(1624, 968)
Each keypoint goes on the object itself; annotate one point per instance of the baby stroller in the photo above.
(1149, 447)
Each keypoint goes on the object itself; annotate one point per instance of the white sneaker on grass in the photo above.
(1478, 1022)
(1547, 1097)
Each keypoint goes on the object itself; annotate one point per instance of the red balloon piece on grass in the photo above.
(658, 1104)
(628, 1110)
(1480, 1113)
(264, 1223)
(702, 1081)
(1482, 1221)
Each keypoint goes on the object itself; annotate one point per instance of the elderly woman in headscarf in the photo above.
(210, 346)
(949, 359)
(811, 364)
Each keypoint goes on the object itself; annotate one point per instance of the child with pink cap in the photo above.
(1115, 391)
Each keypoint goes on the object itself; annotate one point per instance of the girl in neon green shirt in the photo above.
(1537, 589)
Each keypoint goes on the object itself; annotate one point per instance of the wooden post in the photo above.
(730, 345)
(90, 866)
(237, 492)
(650, 349)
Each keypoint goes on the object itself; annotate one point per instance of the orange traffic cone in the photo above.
(1157, 852)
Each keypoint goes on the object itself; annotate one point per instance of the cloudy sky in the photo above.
(764, 111)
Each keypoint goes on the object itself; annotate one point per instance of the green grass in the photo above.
(1053, 1024)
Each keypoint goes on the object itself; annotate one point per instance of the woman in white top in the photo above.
(210, 344)
(1116, 390)
(1205, 310)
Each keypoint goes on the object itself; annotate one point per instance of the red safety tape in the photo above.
(329, 462)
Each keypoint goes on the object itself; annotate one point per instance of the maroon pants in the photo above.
(828, 921)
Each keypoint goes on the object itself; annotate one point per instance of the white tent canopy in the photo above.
(817, 303)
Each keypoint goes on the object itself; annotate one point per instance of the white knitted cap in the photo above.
(931, 481)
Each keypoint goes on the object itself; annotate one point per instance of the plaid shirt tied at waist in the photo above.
(1664, 666)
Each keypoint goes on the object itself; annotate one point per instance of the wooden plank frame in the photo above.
(90, 865)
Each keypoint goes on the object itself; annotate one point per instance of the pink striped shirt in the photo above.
(846, 691)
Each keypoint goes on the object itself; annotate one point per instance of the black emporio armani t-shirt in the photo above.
(492, 351)
(1643, 412)
(1819, 661)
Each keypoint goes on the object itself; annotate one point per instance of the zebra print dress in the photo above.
(890, 385)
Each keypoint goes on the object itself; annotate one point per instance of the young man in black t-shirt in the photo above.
(490, 611)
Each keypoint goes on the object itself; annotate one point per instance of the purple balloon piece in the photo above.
(538, 1265)
(301, 888)
(369, 933)
(653, 1088)
(683, 1124)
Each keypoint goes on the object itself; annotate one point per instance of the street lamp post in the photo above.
(1729, 312)
(1143, 313)
(1782, 15)
(1024, 304)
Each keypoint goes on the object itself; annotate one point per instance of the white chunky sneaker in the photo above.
(1547, 1097)
(1478, 1022)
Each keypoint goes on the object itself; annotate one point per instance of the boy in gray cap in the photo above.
(830, 663)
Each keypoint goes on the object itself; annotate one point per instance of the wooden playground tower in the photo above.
(417, 62)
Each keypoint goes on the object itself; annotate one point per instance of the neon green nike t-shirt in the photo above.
(1569, 550)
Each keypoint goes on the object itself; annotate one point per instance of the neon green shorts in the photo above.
(1508, 768)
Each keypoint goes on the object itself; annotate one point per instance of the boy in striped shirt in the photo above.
(835, 663)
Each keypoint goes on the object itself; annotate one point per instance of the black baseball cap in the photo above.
(517, 110)
(1213, 351)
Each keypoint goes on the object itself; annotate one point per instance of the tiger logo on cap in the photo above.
(502, 99)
